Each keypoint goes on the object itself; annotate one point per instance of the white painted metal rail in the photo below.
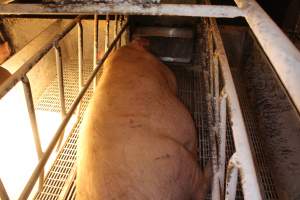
(281, 52)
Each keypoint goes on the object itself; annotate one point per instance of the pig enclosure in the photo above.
(199, 69)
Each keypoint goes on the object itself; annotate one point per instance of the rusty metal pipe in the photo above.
(123, 9)
(25, 193)
(20, 73)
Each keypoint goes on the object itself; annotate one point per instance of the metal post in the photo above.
(216, 87)
(95, 47)
(60, 77)
(116, 29)
(107, 33)
(282, 53)
(222, 141)
(231, 178)
(3, 193)
(80, 61)
(121, 24)
(26, 191)
(32, 116)
(211, 66)
(249, 181)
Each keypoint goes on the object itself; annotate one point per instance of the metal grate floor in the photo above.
(56, 179)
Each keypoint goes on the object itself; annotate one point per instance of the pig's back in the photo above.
(138, 93)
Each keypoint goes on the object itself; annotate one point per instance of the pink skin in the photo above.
(138, 139)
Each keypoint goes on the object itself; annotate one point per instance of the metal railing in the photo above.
(21, 75)
(219, 100)
(282, 53)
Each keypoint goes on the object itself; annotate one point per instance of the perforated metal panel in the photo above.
(61, 169)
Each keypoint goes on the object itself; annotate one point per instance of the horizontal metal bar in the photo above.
(282, 53)
(25, 193)
(17, 76)
(163, 32)
(249, 179)
(125, 8)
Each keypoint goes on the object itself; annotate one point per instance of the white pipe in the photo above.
(124, 8)
(231, 178)
(249, 179)
(282, 53)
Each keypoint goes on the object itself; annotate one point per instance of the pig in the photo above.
(138, 140)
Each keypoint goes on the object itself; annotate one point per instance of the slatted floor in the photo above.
(61, 169)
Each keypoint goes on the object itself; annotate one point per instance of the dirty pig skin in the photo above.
(138, 141)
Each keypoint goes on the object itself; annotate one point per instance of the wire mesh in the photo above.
(61, 168)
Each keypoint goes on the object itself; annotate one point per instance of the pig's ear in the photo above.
(141, 43)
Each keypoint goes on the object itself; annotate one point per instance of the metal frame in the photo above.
(282, 53)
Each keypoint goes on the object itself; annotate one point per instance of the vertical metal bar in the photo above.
(3, 193)
(107, 33)
(121, 24)
(80, 62)
(116, 29)
(60, 77)
(95, 47)
(31, 182)
(216, 87)
(251, 189)
(32, 116)
(222, 141)
(211, 51)
(231, 178)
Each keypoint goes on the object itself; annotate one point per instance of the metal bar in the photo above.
(169, 32)
(60, 77)
(216, 87)
(25, 193)
(17, 76)
(3, 193)
(211, 67)
(95, 47)
(283, 55)
(123, 9)
(222, 141)
(231, 178)
(107, 33)
(249, 179)
(116, 29)
(33, 122)
(80, 61)
(121, 24)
